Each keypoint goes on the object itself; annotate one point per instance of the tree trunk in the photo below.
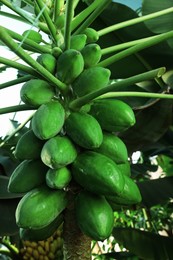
(77, 246)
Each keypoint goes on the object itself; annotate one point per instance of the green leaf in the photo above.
(160, 24)
(146, 245)
(8, 225)
(166, 163)
(4, 194)
(156, 191)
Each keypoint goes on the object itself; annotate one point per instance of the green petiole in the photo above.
(68, 19)
(79, 102)
(15, 81)
(17, 108)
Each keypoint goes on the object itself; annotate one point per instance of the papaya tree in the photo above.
(97, 76)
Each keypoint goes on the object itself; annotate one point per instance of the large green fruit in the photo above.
(48, 61)
(130, 194)
(91, 54)
(28, 147)
(114, 148)
(90, 80)
(97, 173)
(48, 120)
(58, 178)
(58, 152)
(70, 64)
(125, 168)
(27, 175)
(32, 35)
(84, 130)
(77, 42)
(92, 35)
(39, 207)
(94, 215)
(36, 92)
(41, 233)
(113, 115)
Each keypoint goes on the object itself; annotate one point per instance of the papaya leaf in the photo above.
(156, 191)
(166, 163)
(146, 245)
(4, 194)
(118, 256)
(8, 225)
(151, 124)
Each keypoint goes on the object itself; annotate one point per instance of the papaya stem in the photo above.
(7, 39)
(15, 81)
(59, 4)
(78, 19)
(93, 16)
(134, 49)
(68, 19)
(134, 21)
(16, 65)
(79, 102)
(17, 108)
(48, 20)
(15, 17)
(37, 47)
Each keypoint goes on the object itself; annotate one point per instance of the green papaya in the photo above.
(97, 173)
(70, 64)
(84, 130)
(113, 115)
(28, 146)
(27, 175)
(77, 42)
(48, 120)
(92, 35)
(91, 54)
(60, 21)
(114, 148)
(32, 35)
(94, 215)
(58, 178)
(36, 92)
(41, 233)
(130, 194)
(56, 52)
(39, 207)
(48, 61)
(125, 168)
(58, 152)
(90, 80)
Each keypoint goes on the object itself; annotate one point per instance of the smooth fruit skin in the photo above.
(33, 35)
(28, 147)
(84, 130)
(90, 80)
(48, 120)
(125, 168)
(48, 61)
(36, 92)
(58, 152)
(58, 178)
(97, 173)
(27, 175)
(94, 215)
(69, 65)
(39, 207)
(92, 35)
(114, 148)
(77, 42)
(130, 194)
(113, 115)
(91, 54)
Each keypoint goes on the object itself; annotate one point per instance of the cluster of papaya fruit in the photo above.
(50, 248)
(64, 146)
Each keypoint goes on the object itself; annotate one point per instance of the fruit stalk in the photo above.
(15, 81)
(76, 244)
(68, 20)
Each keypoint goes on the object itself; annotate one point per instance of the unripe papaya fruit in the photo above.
(60, 21)
(58, 178)
(90, 80)
(97, 173)
(48, 120)
(130, 194)
(114, 148)
(48, 61)
(84, 130)
(36, 92)
(39, 207)
(32, 35)
(125, 168)
(41, 233)
(28, 147)
(27, 175)
(58, 152)
(92, 35)
(94, 215)
(77, 42)
(113, 115)
(69, 65)
(91, 54)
